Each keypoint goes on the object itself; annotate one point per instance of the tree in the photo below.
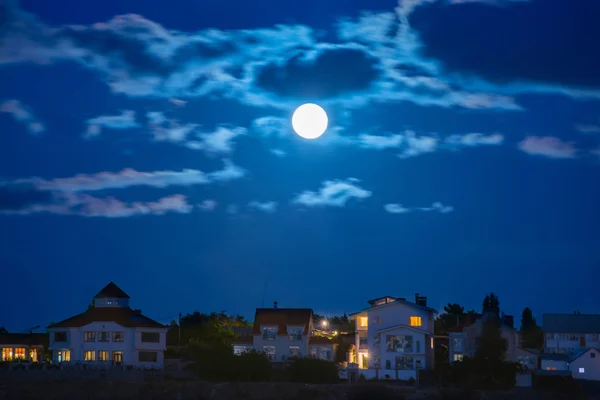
(3, 330)
(491, 303)
(532, 336)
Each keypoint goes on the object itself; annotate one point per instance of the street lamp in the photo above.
(324, 323)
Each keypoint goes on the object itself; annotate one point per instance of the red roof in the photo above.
(123, 316)
(112, 291)
(319, 340)
(282, 317)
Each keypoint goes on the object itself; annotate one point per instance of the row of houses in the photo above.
(393, 337)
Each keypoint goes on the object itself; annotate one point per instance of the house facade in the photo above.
(284, 334)
(394, 337)
(463, 340)
(27, 347)
(570, 333)
(109, 333)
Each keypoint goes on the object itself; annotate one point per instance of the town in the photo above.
(392, 339)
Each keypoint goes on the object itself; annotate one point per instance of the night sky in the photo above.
(150, 143)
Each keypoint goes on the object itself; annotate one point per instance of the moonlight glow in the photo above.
(309, 121)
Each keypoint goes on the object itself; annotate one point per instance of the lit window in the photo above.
(415, 321)
(64, 355)
(20, 353)
(33, 355)
(89, 355)
(7, 354)
(581, 370)
(458, 357)
(363, 322)
(117, 356)
(431, 340)
(102, 355)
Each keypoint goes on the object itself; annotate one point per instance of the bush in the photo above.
(310, 370)
(373, 391)
(251, 366)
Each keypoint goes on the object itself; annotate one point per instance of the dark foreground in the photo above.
(107, 390)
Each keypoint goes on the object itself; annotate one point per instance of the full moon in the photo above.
(309, 121)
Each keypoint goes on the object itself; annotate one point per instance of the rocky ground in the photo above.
(105, 390)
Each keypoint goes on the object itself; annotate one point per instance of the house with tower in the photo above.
(109, 333)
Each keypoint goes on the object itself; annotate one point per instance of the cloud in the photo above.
(417, 145)
(279, 153)
(267, 67)
(207, 205)
(272, 126)
(439, 207)
(380, 142)
(334, 193)
(221, 141)
(317, 74)
(588, 128)
(131, 178)
(22, 113)
(474, 139)
(169, 130)
(267, 207)
(396, 208)
(89, 206)
(481, 32)
(125, 120)
(547, 146)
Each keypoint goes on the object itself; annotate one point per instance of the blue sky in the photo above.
(152, 146)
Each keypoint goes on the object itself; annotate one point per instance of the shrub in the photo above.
(251, 366)
(310, 370)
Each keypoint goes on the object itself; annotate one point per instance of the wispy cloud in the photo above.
(439, 207)
(588, 128)
(131, 178)
(279, 153)
(267, 207)
(474, 139)
(334, 193)
(22, 113)
(221, 141)
(26, 200)
(169, 130)
(394, 208)
(207, 205)
(246, 65)
(547, 146)
(125, 120)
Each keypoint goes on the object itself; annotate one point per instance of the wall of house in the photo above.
(456, 345)
(550, 364)
(590, 362)
(130, 346)
(553, 343)
(282, 344)
(318, 347)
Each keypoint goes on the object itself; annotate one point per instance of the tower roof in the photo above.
(112, 290)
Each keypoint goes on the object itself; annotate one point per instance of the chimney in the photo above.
(508, 320)
(275, 305)
(420, 300)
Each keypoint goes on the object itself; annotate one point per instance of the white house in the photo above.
(586, 365)
(570, 333)
(284, 334)
(394, 338)
(109, 333)
(463, 340)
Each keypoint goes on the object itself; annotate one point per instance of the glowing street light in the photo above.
(324, 323)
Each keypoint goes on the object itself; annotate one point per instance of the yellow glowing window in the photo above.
(363, 322)
(89, 355)
(415, 321)
(20, 353)
(7, 354)
(33, 355)
(103, 355)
